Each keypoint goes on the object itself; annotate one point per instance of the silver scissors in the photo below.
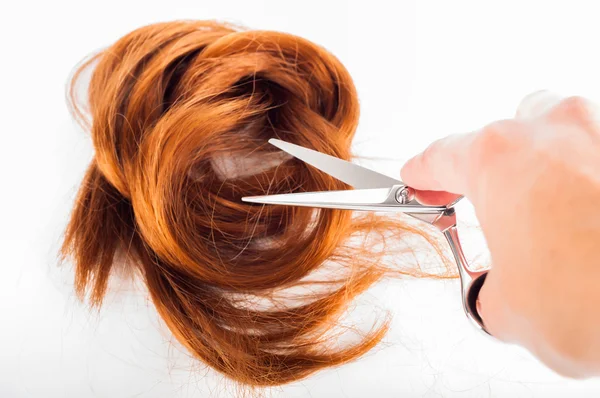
(377, 192)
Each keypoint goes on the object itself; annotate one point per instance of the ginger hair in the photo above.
(180, 114)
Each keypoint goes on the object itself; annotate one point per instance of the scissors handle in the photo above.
(471, 281)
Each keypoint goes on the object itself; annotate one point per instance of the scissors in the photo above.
(377, 192)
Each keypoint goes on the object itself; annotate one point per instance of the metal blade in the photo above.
(350, 173)
(377, 199)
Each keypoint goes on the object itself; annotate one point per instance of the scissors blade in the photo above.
(376, 199)
(350, 173)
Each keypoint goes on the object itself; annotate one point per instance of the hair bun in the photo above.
(180, 114)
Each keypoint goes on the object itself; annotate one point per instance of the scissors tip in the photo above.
(257, 199)
(275, 142)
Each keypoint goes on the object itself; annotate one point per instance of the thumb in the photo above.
(443, 166)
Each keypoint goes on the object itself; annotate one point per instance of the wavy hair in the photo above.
(180, 114)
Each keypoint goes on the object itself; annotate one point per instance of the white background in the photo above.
(422, 71)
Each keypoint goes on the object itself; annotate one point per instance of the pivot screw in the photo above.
(404, 195)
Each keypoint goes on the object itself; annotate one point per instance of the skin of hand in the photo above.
(534, 182)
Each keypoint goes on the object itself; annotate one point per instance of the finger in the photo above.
(537, 104)
(558, 109)
(578, 111)
(442, 166)
(435, 198)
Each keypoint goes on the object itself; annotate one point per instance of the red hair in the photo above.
(172, 106)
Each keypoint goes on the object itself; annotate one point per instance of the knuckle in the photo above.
(431, 150)
(496, 139)
(574, 102)
(579, 112)
(493, 145)
(573, 108)
(534, 103)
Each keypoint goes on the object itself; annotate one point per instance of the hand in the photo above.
(535, 184)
